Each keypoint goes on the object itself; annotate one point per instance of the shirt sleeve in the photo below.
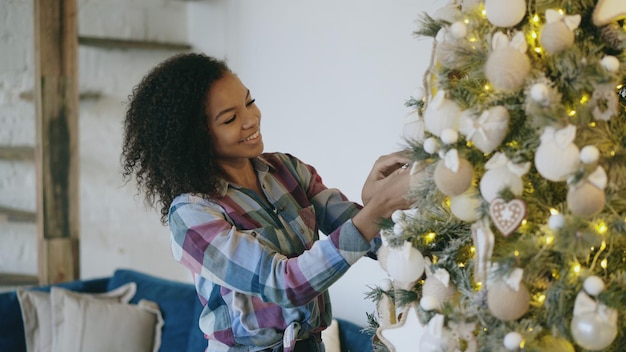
(333, 210)
(209, 245)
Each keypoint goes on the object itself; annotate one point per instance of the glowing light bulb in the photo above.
(576, 268)
(553, 211)
(604, 263)
(536, 18)
(584, 99)
(487, 87)
(602, 228)
(592, 124)
(538, 50)
(533, 35)
(516, 253)
(430, 237)
(541, 298)
(571, 113)
(549, 239)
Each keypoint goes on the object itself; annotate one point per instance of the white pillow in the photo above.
(330, 337)
(37, 313)
(83, 323)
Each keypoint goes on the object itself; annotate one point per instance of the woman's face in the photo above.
(234, 120)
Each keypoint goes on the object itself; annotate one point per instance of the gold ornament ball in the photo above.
(507, 69)
(554, 344)
(555, 37)
(505, 303)
(585, 199)
(453, 183)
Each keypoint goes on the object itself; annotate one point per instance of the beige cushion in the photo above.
(330, 337)
(37, 313)
(83, 323)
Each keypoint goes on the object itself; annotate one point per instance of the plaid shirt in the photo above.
(260, 267)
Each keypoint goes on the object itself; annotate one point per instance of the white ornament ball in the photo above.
(593, 285)
(497, 179)
(386, 284)
(433, 287)
(507, 68)
(449, 136)
(406, 264)
(556, 221)
(438, 117)
(585, 199)
(592, 332)
(589, 154)
(431, 146)
(458, 30)
(453, 183)
(487, 134)
(512, 341)
(507, 304)
(539, 92)
(610, 63)
(555, 163)
(397, 216)
(556, 37)
(429, 303)
(505, 13)
(466, 206)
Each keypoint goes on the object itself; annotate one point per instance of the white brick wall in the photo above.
(116, 229)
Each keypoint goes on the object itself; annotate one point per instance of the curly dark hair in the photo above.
(167, 145)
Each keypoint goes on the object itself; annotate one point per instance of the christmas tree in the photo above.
(517, 240)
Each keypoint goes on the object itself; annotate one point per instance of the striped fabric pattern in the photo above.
(260, 266)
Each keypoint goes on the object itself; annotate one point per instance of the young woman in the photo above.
(246, 222)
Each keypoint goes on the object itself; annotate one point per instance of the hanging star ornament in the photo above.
(406, 335)
(607, 11)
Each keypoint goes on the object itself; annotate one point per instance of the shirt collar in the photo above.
(260, 165)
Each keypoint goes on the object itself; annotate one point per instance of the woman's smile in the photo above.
(252, 138)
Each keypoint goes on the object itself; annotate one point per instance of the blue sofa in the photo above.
(177, 301)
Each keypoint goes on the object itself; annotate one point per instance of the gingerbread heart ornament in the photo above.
(507, 216)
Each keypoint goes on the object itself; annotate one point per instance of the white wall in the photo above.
(331, 78)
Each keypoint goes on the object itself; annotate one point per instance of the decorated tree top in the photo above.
(517, 240)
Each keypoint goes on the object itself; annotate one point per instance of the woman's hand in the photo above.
(383, 167)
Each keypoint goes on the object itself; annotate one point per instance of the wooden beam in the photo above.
(87, 95)
(16, 215)
(56, 151)
(17, 153)
(113, 43)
